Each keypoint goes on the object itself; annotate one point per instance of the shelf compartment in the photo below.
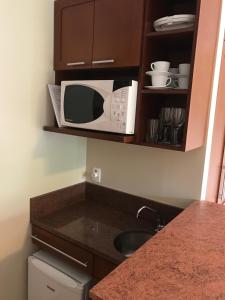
(150, 107)
(162, 8)
(108, 136)
(165, 91)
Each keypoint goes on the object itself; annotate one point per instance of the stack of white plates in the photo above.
(174, 22)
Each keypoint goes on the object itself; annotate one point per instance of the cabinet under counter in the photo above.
(80, 224)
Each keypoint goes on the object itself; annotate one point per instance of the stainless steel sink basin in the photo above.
(128, 242)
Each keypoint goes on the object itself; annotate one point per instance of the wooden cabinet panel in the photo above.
(96, 266)
(203, 71)
(102, 267)
(118, 32)
(73, 34)
(217, 159)
(66, 247)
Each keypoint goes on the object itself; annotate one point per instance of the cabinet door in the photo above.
(117, 33)
(73, 33)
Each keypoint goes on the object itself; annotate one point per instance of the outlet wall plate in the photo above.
(96, 175)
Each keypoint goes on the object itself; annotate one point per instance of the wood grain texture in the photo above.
(118, 32)
(74, 21)
(108, 136)
(216, 159)
(204, 60)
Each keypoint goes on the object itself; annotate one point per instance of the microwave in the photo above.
(104, 105)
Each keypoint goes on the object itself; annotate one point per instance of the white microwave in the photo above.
(104, 105)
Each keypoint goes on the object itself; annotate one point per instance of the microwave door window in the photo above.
(82, 104)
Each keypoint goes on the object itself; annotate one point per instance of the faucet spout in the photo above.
(145, 207)
(159, 224)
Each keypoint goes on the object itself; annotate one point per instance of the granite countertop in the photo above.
(92, 226)
(186, 260)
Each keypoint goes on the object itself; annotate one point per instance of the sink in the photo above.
(128, 242)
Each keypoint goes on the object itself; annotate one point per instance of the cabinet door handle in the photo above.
(79, 63)
(107, 61)
(57, 250)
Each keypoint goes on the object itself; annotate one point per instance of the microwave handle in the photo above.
(79, 63)
(107, 61)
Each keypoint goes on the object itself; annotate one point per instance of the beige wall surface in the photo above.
(162, 175)
(32, 162)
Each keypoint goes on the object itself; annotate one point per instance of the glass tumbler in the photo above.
(152, 131)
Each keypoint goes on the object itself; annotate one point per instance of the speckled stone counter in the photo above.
(186, 260)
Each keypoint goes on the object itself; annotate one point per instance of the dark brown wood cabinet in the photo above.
(98, 34)
(118, 32)
(116, 39)
(74, 21)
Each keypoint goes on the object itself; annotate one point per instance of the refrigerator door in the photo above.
(47, 283)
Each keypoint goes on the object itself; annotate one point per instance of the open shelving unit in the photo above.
(177, 46)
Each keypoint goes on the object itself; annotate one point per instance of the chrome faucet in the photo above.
(159, 224)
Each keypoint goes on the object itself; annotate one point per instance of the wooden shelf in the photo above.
(162, 146)
(182, 33)
(165, 91)
(108, 136)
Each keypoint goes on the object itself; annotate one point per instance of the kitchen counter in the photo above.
(92, 226)
(186, 260)
(91, 217)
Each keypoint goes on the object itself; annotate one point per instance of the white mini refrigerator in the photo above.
(51, 279)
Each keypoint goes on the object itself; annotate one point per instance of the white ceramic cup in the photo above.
(184, 69)
(161, 80)
(160, 66)
(183, 82)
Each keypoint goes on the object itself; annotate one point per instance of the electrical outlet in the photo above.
(96, 175)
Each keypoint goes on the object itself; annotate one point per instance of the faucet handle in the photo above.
(159, 227)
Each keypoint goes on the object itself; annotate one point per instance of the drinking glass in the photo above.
(177, 123)
(166, 118)
(152, 131)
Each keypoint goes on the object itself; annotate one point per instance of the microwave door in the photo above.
(82, 105)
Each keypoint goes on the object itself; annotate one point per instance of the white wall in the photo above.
(32, 162)
(166, 176)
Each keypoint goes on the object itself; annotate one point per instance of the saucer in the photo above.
(150, 87)
(150, 73)
(179, 75)
(179, 88)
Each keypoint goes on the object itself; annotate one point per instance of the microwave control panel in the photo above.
(119, 107)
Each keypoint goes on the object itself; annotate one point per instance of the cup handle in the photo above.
(153, 66)
(169, 82)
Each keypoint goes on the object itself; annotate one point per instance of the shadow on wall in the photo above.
(15, 248)
(68, 152)
(167, 176)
